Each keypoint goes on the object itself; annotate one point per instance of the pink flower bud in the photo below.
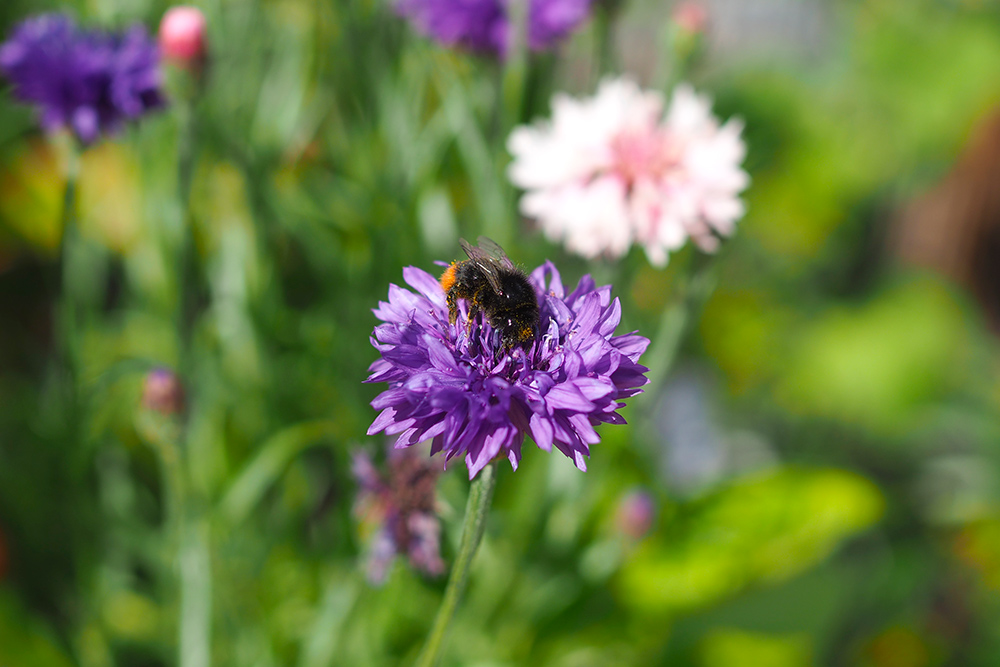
(690, 17)
(182, 34)
(636, 511)
(162, 392)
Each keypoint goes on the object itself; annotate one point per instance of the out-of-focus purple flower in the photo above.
(455, 385)
(163, 392)
(636, 511)
(485, 25)
(88, 81)
(402, 507)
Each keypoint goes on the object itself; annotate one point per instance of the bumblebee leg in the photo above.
(452, 307)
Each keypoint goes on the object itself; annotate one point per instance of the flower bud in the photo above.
(182, 35)
(636, 511)
(690, 17)
(162, 392)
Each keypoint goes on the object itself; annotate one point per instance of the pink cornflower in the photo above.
(614, 170)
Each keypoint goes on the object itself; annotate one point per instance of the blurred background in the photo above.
(813, 477)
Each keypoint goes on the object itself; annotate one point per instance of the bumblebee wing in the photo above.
(486, 262)
(493, 249)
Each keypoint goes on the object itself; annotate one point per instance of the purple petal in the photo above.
(594, 388)
(427, 285)
(542, 432)
(409, 356)
(385, 418)
(586, 432)
(388, 398)
(612, 316)
(567, 397)
(584, 287)
(631, 345)
(440, 356)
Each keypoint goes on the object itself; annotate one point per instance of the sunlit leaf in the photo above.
(760, 529)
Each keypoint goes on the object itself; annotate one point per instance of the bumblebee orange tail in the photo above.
(448, 277)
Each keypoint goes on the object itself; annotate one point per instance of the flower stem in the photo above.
(675, 320)
(193, 547)
(605, 18)
(68, 303)
(194, 638)
(186, 259)
(511, 86)
(480, 495)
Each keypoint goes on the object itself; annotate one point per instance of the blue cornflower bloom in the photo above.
(85, 80)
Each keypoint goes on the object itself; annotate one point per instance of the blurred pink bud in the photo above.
(162, 392)
(636, 511)
(690, 17)
(182, 34)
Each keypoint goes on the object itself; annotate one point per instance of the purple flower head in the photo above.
(88, 81)
(484, 25)
(454, 384)
(402, 506)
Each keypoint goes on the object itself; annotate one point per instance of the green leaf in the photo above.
(275, 454)
(23, 641)
(761, 529)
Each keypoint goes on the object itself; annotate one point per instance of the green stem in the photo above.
(194, 528)
(187, 278)
(512, 79)
(515, 68)
(674, 323)
(667, 343)
(163, 437)
(196, 593)
(605, 17)
(188, 547)
(68, 305)
(69, 194)
(480, 495)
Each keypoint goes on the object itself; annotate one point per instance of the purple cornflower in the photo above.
(484, 25)
(402, 507)
(454, 385)
(88, 81)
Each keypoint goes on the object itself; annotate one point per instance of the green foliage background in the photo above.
(333, 147)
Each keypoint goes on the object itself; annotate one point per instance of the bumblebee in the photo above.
(489, 282)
